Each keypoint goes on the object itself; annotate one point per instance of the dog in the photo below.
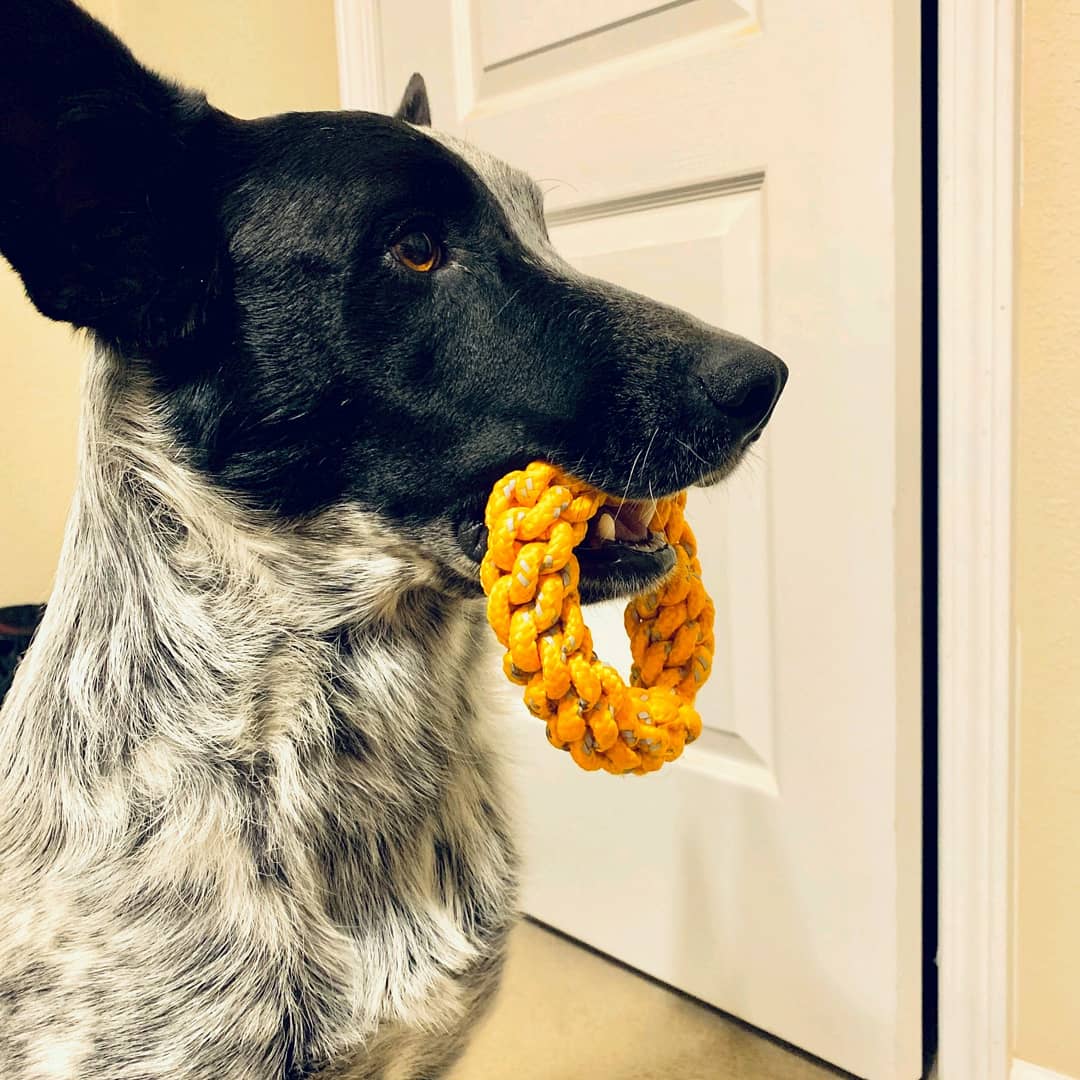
(253, 816)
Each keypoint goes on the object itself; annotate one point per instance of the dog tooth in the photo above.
(605, 527)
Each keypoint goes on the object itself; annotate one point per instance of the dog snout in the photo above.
(744, 383)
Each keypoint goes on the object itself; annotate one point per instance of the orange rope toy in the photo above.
(535, 519)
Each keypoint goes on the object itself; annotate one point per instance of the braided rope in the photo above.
(535, 519)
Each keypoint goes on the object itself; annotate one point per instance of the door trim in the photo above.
(359, 60)
(977, 41)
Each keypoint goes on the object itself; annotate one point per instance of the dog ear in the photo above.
(105, 211)
(414, 107)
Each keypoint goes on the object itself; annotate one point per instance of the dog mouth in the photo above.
(621, 554)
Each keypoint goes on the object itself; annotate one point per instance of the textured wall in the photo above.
(251, 57)
(1047, 553)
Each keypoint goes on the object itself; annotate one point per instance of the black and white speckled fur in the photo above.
(251, 812)
(252, 817)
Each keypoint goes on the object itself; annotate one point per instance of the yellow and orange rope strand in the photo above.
(535, 518)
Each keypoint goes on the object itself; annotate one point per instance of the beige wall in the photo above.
(252, 57)
(1046, 1018)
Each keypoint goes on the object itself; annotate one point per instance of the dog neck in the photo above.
(267, 734)
(183, 624)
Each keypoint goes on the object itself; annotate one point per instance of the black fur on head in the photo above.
(274, 277)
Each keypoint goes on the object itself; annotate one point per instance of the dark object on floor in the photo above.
(17, 626)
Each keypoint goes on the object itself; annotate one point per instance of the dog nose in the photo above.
(744, 383)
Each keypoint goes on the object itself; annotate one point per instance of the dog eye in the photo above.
(418, 251)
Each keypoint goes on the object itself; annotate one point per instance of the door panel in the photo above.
(506, 47)
(756, 164)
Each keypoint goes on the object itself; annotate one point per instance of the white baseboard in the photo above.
(1024, 1070)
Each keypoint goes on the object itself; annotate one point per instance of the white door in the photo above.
(755, 162)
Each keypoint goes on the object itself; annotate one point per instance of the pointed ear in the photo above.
(414, 107)
(105, 207)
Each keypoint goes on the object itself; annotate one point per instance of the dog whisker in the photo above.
(687, 446)
(556, 184)
(656, 431)
(629, 481)
(512, 297)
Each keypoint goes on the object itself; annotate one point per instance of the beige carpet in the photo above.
(564, 1013)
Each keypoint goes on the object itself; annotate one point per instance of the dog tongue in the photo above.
(625, 530)
(632, 521)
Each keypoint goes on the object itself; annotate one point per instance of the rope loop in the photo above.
(536, 517)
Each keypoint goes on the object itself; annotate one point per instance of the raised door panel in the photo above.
(701, 249)
(504, 48)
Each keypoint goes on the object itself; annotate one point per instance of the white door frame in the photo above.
(359, 54)
(977, 198)
(977, 206)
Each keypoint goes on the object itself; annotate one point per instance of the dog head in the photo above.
(346, 309)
